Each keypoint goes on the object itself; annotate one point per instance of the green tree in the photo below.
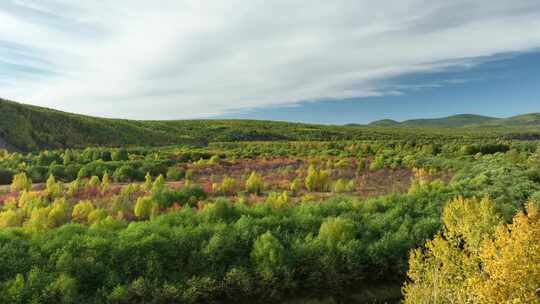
(336, 230)
(59, 213)
(268, 255)
(53, 188)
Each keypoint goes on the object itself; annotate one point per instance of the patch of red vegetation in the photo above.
(7, 196)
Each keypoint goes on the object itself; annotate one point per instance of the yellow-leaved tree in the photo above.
(477, 258)
(511, 262)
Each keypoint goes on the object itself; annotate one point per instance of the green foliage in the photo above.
(317, 180)
(53, 188)
(227, 186)
(81, 211)
(153, 242)
(105, 183)
(144, 208)
(268, 255)
(175, 174)
(254, 183)
(334, 231)
(296, 186)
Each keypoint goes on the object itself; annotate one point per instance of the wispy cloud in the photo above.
(181, 59)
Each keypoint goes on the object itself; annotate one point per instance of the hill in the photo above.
(384, 123)
(26, 128)
(463, 120)
(526, 119)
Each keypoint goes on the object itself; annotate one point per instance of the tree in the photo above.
(120, 155)
(97, 215)
(21, 183)
(59, 213)
(511, 262)
(68, 157)
(126, 173)
(53, 188)
(74, 186)
(278, 200)
(336, 230)
(158, 186)
(147, 186)
(295, 186)
(105, 183)
(144, 208)
(340, 186)
(377, 163)
(317, 180)
(227, 186)
(94, 182)
(268, 255)
(254, 183)
(11, 218)
(81, 211)
(175, 174)
(446, 270)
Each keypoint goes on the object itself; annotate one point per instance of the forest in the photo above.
(429, 220)
(39, 128)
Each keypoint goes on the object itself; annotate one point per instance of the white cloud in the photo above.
(192, 58)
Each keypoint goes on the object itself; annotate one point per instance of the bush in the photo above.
(317, 180)
(254, 183)
(175, 174)
(126, 173)
(21, 183)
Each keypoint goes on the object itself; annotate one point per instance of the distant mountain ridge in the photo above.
(30, 128)
(462, 120)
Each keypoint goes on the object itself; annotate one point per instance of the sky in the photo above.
(335, 62)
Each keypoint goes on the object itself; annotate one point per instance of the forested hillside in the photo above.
(463, 120)
(24, 127)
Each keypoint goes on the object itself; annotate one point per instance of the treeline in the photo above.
(30, 128)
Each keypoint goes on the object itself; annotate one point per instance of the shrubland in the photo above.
(271, 222)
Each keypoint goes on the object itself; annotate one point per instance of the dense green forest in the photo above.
(274, 221)
(27, 128)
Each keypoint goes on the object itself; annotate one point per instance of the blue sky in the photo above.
(502, 86)
(320, 61)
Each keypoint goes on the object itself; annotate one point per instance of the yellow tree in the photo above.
(81, 211)
(105, 183)
(511, 262)
(476, 259)
(254, 183)
(444, 270)
(21, 182)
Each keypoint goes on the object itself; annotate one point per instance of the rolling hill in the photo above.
(463, 120)
(27, 128)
